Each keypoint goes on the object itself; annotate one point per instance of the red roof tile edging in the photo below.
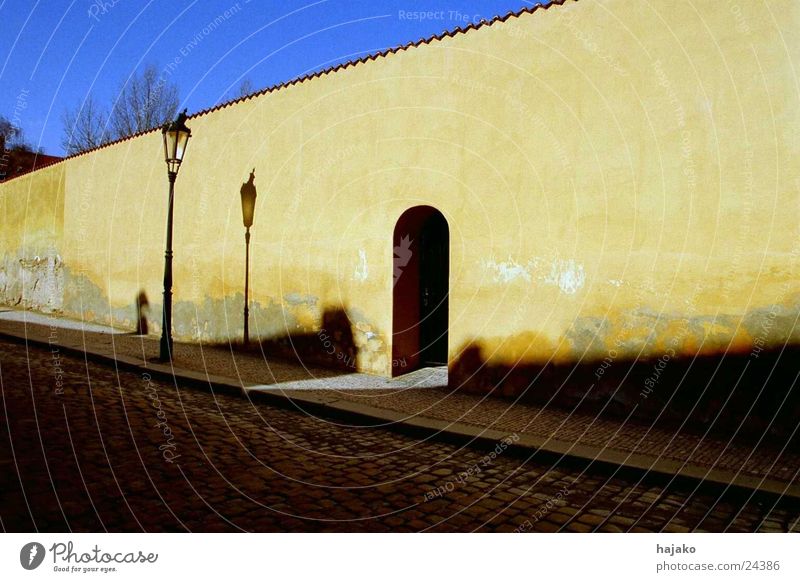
(334, 69)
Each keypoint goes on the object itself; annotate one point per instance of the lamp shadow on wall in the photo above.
(331, 350)
(719, 394)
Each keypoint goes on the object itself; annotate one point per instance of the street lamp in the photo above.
(248, 192)
(176, 137)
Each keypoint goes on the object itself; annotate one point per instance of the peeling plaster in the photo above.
(298, 299)
(568, 275)
(587, 336)
(33, 283)
(362, 269)
(510, 270)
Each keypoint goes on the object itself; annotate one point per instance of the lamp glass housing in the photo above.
(176, 138)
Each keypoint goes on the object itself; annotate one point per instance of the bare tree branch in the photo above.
(145, 101)
(84, 127)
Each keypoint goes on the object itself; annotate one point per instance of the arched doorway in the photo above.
(421, 272)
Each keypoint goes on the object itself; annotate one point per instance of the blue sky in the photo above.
(52, 53)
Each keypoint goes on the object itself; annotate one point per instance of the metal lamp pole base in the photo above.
(165, 354)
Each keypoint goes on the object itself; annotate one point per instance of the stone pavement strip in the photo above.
(422, 400)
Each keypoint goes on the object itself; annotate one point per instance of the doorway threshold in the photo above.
(421, 378)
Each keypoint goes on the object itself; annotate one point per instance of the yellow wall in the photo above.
(31, 238)
(616, 175)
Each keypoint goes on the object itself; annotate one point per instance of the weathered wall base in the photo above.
(35, 282)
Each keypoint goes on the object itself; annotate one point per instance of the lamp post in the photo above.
(248, 192)
(176, 137)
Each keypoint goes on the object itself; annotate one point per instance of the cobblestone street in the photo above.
(87, 448)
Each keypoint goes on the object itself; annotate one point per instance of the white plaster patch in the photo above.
(508, 271)
(615, 282)
(568, 275)
(362, 269)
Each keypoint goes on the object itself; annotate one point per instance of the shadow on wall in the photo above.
(219, 323)
(715, 392)
(142, 308)
(332, 347)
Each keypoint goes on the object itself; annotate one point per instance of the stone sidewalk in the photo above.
(421, 400)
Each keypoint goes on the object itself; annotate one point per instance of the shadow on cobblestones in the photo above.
(92, 458)
(331, 350)
(752, 397)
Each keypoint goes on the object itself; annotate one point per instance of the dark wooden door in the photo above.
(434, 271)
